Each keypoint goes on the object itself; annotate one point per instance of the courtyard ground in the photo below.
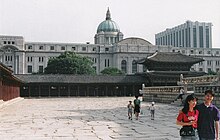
(85, 118)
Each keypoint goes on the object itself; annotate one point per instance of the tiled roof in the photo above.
(62, 78)
(171, 57)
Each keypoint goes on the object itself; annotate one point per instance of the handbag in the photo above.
(187, 131)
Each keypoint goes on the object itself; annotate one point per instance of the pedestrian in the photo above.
(130, 106)
(208, 122)
(180, 95)
(152, 110)
(137, 106)
(188, 117)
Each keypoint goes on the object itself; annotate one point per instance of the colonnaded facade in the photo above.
(109, 50)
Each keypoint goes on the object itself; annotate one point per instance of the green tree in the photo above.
(112, 71)
(69, 63)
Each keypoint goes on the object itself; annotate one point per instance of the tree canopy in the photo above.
(69, 63)
(112, 71)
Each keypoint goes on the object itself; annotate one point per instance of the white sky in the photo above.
(76, 21)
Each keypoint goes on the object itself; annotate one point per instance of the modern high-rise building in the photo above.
(110, 49)
(190, 34)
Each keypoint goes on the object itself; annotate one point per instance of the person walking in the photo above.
(188, 117)
(208, 122)
(137, 106)
(130, 106)
(152, 110)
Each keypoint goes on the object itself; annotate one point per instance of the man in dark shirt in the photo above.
(208, 121)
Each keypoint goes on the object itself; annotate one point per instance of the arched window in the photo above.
(124, 66)
(134, 66)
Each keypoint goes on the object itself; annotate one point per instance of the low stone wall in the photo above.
(160, 94)
(169, 97)
(160, 97)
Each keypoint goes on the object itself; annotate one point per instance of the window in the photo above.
(29, 47)
(41, 59)
(207, 36)
(9, 42)
(124, 66)
(94, 67)
(5, 42)
(209, 52)
(29, 59)
(201, 37)
(217, 52)
(62, 48)
(51, 47)
(12, 42)
(41, 69)
(217, 69)
(200, 52)
(94, 49)
(94, 60)
(29, 69)
(106, 49)
(41, 47)
(73, 48)
(200, 63)
(83, 48)
(191, 51)
(200, 69)
(209, 63)
(134, 66)
(106, 62)
(8, 58)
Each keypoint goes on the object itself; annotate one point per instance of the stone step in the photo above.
(9, 102)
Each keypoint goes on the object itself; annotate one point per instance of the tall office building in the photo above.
(190, 34)
(109, 49)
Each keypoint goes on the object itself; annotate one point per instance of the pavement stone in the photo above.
(85, 118)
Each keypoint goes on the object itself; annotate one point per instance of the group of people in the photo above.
(137, 110)
(203, 118)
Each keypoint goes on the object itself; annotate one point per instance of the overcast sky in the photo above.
(76, 21)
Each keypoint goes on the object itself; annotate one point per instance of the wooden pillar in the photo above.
(106, 90)
(77, 90)
(68, 86)
(39, 93)
(58, 91)
(49, 90)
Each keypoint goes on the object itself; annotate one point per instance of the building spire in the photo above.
(108, 15)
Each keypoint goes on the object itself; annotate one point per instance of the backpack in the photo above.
(137, 102)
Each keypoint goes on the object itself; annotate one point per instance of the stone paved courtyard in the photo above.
(85, 119)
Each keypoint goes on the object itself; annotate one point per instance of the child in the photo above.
(152, 110)
(130, 106)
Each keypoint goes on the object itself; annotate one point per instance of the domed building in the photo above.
(108, 31)
(110, 49)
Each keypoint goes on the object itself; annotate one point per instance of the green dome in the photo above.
(108, 25)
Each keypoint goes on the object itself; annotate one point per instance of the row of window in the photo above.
(182, 38)
(124, 66)
(209, 63)
(63, 48)
(30, 59)
(30, 69)
(8, 42)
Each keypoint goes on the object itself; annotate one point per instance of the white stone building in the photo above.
(109, 50)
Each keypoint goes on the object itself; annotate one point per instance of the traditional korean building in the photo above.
(56, 85)
(9, 84)
(165, 68)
